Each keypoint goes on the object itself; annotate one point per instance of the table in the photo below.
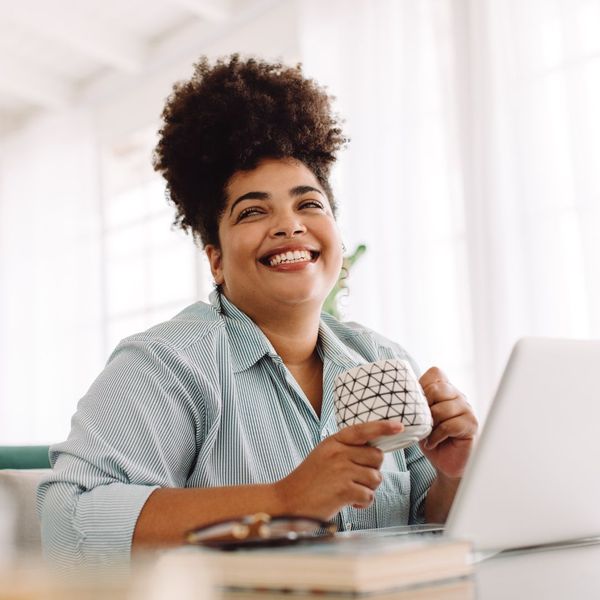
(557, 573)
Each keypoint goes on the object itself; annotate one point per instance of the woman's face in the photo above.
(279, 242)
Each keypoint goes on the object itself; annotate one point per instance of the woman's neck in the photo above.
(294, 338)
(293, 331)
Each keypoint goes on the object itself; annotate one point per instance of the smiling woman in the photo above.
(279, 242)
(227, 409)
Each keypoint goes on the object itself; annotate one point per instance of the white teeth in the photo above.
(289, 257)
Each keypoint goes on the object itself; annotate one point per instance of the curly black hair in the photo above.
(228, 117)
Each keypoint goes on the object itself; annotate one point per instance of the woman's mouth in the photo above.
(289, 257)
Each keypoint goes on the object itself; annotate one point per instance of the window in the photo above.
(151, 269)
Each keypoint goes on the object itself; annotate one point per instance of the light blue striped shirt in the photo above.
(203, 400)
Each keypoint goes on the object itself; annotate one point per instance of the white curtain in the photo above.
(473, 172)
(51, 325)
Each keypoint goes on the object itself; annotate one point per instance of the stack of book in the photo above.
(420, 565)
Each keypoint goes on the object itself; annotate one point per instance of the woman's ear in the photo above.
(214, 259)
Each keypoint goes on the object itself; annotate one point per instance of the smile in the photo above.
(289, 257)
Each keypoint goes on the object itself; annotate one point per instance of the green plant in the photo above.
(331, 302)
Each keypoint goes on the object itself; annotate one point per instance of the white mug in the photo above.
(386, 389)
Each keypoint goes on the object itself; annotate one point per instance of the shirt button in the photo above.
(324, 434)
(348, 526)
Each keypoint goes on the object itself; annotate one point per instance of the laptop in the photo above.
(534, 476)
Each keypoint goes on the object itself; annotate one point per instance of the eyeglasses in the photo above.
(260, 530)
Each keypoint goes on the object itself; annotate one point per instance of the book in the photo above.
(350, 564)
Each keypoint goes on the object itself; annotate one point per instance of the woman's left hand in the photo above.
(454, 425)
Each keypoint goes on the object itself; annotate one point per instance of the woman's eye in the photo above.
(312, 204)
(249, 212)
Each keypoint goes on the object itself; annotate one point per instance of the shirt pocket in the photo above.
(392, 499)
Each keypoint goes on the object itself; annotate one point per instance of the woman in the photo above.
(227, 409)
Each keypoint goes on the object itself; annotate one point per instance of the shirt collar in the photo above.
(334, 350)
(249, 344)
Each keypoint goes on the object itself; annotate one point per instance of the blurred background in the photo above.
(473, 176)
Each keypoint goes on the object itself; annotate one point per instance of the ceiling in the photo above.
(51, 52)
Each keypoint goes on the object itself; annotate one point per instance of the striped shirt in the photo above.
(203, 400)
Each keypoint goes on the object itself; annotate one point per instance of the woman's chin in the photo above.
(295, 296)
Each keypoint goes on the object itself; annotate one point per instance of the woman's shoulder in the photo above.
(198, 323)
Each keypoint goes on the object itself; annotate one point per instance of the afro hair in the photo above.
(227, 118)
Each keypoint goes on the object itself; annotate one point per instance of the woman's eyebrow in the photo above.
(304, 189)
(295, 191)
(250, 196)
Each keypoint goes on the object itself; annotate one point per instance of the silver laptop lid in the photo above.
(534, 476)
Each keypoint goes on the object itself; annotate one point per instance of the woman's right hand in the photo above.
(342, 470)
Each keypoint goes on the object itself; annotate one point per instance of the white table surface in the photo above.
(565, 573)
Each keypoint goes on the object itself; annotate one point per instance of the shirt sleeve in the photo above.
(138, 428)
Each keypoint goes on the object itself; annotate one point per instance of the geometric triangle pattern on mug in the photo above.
(386, 389)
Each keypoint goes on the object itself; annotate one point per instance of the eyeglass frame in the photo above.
(258, 524)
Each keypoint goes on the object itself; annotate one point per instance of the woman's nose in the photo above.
(287, 228)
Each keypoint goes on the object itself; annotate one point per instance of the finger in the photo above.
(366, 456)
(442, 411)
(368, 477)
(361, 434)
(440, 391)
(461, 427)
(432, 375)
(362, 497)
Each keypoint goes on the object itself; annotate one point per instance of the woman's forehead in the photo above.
(271, 175)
